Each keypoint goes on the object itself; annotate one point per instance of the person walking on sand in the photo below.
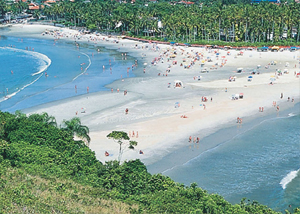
(190, 139)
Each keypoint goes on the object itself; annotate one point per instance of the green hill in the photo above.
(43, 169)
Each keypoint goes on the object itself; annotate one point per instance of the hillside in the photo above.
(43, 169)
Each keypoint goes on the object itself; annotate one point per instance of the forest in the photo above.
(237, 22)
(43, 169)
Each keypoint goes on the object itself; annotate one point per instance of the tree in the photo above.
(74, 127)
(44, 118)
(119, 137)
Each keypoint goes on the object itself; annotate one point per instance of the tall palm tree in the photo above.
(44, 118)
(74, 127)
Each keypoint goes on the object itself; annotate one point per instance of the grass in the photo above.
(24, 193)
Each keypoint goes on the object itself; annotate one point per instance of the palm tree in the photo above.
(74, 127)
(44, 118)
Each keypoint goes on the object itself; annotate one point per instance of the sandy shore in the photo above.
(153, 113)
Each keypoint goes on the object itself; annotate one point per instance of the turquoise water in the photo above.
(35, 71)
(260, 162)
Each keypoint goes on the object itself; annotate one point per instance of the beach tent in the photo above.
(178, 84)
(241, 95)
(204, 70)
(294, 48)
(262, 49)
(235, 96)
(239, 70)
(275, 48)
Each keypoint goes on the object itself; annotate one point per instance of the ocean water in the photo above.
(260, 162)
(37, 71)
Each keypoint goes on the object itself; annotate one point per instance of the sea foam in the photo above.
(44, 61)
(288, 178)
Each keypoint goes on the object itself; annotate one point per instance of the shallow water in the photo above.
(260, 163)
(69, 66)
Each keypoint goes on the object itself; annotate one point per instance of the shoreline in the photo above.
(154, 116)
(217, 137)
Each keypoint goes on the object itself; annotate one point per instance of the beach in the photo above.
(163, 115)
(151, 103)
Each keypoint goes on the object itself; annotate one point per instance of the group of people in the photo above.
(196, 139)
(133, 134)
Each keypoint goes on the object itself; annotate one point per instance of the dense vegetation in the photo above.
(214, 22)
(43, 169)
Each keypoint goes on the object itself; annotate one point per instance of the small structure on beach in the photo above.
(178, 84)
(239, 70)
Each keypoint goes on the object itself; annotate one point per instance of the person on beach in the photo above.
(197, 140)
(126, 111)
(281, 95)
(190, 139)
(106, 153)
(141, 152)
(132, 133)
(137, 134)
(87, 89)
(112, 90)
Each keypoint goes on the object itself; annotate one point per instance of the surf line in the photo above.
(288, 178)
(90, 62)
(25, 86)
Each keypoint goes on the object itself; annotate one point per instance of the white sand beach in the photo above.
(151, 99)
